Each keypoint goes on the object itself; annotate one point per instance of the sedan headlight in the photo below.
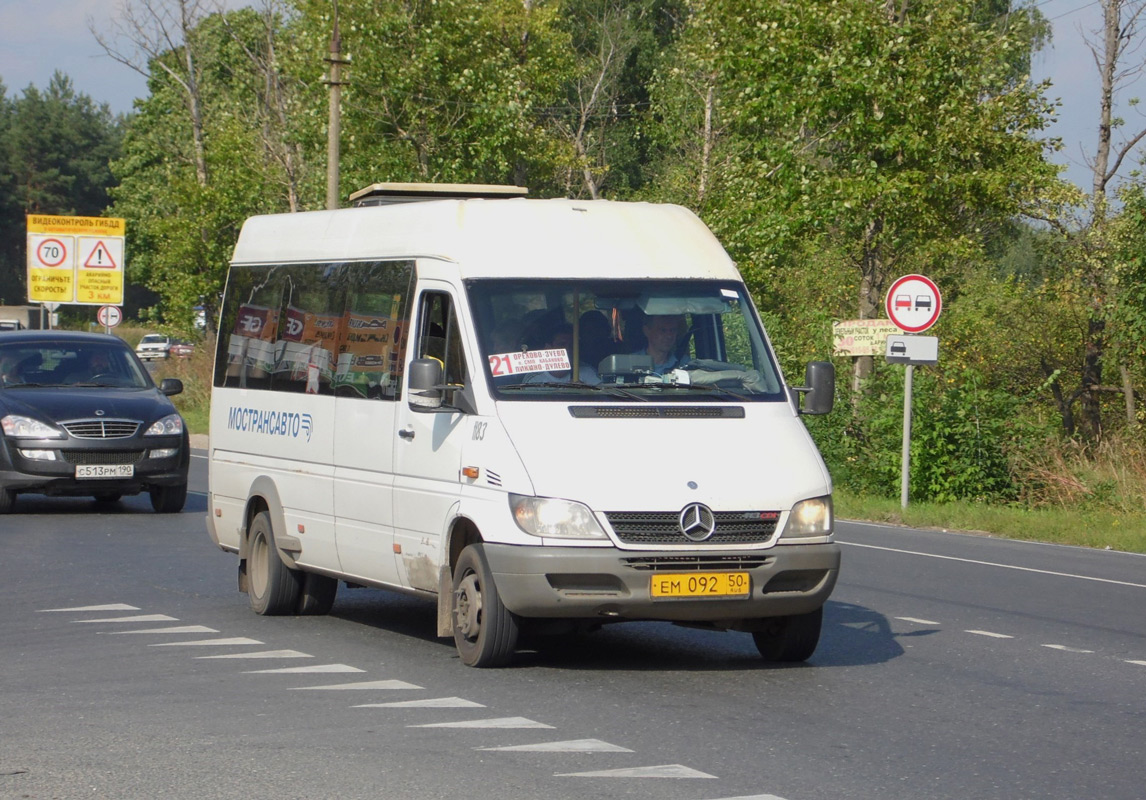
(19, 427)
(171, 425)
(559, 519)
(812, 517)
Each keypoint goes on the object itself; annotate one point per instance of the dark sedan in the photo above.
(80, 415)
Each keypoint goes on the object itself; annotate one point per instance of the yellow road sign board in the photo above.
(76, 260)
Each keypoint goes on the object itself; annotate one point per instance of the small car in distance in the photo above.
(182, 349)
(153, 346)
(79, 415)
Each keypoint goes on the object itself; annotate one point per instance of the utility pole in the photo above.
(334, 128)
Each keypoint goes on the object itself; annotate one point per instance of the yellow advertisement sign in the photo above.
(861, 337)
(75, 259)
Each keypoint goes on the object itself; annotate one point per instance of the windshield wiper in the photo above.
(608, 388)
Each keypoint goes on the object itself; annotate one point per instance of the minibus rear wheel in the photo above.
(485, 631)
(273, 588)
(789, 639)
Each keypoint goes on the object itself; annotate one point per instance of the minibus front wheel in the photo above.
(485, 631)
(791, 638)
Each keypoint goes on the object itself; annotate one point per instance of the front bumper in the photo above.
(58, 477)
(591, 583)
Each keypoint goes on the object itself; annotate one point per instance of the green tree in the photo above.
(55, 152)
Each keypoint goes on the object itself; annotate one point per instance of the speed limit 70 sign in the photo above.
(913, 303)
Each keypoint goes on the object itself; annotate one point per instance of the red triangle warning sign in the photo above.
(100, 258)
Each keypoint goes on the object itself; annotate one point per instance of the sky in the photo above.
(39, 38)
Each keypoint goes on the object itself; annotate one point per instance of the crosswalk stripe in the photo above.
(108, 607)
(136, 618)
(500, 722)
(358, 685)
(176, 629)
(235, 640)
(572, 746)
(316, 668)
(262, 654)
(433, 702)
(660, 771)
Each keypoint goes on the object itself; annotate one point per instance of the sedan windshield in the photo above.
(68, 363)
(622, 339)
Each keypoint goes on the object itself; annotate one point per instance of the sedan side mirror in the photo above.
(170, 386)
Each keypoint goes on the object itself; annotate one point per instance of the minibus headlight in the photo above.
(171, 425)
(19, 427)
(812, 517)
(559, 519)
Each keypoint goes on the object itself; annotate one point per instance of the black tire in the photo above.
(168, 499)
(273, 588)
(790, 639)
(7, 500)
(485, 632)
(316, 595)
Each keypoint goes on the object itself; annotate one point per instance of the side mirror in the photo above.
(425, 384)
(170, 386)
(820, 389)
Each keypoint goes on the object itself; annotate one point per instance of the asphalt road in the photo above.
(951, 666)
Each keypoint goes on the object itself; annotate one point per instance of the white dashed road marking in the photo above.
(501, 722)
(433, 702)
(108, 607)
(661, 771)
(237, 640)
(918, 621)
(315, 669)
(342, 687)
(177, 629)
(992, 635)
(573, 746)
(1139, 663)
(1066, 649)
(262, 654)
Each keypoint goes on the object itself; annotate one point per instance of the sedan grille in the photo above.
(663, 527)
(101, 428)
(102, 456)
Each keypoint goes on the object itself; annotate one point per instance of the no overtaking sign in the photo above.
(913, 303)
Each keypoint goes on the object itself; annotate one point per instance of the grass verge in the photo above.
(1097, 528)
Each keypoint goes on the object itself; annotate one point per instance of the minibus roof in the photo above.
(499, 238)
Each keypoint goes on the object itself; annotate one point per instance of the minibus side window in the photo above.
(372, 349)
(309, 322)
(248, 327)
(440, 337)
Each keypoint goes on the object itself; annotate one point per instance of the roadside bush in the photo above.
(961, 435)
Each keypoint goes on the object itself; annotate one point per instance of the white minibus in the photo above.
(540, 414)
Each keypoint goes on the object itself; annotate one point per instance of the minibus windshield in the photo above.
(634, 340)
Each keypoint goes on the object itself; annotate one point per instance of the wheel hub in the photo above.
(467, 607)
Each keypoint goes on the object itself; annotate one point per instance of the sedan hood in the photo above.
(56, 404)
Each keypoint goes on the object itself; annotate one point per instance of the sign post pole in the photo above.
(905, 469)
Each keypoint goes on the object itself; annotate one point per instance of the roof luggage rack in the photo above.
(382, 194)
